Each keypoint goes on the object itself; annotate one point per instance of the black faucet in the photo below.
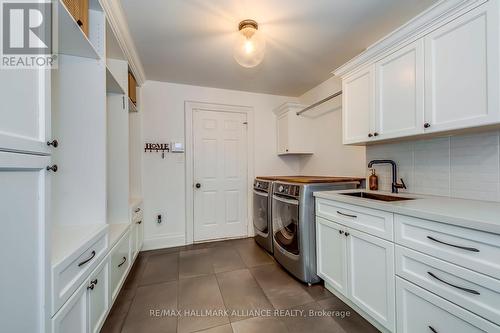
(395, 184)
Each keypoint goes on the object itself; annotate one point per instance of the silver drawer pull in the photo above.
(87, 260)
(432, 329)
(453, 245)
(471, 291)
(348, 215)
(124, 260)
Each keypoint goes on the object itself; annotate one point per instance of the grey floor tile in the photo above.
(241, 293)
(159, 268)
(225, 259)
(351, 323)
(317, 291)
(161, 296)
(259, 325)
(310, 319)
(114, 323)
(219, 329)
(135, 273)
(251, 253)
(195, 263)
(281, 289)
(200, 294)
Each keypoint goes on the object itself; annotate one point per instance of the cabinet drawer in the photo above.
(372, 221)
(120, 262)
(469, 248)
(68, 277)
(419, 310)
(476, 292)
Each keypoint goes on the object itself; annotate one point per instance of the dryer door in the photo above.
(286, 223)
(261, 212)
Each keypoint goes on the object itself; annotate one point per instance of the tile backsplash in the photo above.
(462, 166)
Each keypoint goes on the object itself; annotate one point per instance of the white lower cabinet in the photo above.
(434, 277)
(72, 317)
(360, 267)
(86, 309)
(119, 263)
(370, 262)
(331, 254)
(421, 311)
(98, 291)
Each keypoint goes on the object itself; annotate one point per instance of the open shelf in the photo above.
(132, 107)
(72, 40)
(112, 85)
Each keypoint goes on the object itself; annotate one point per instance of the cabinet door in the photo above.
(461, 79)
(120, 261)
(400, 93)
(358, 106)
(73, 316)
(331, 254)
(25, 114)
(98, 296)
(283, 133)
(24, 202)
(371, 276)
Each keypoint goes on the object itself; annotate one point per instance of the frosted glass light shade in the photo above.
(250, 46)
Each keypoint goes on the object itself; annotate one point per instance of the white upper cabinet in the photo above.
(358, 105)
(294, 132)
(25, 114)
(462, 72)
(439, 72)
(399, 107)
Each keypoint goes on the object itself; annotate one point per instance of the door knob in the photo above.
(427, 125)
(375, 134)
(52, 168)
(198, 185)
(370, 135)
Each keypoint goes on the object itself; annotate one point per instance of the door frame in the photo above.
(189, 108)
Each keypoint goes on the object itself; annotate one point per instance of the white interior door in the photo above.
(220, 174)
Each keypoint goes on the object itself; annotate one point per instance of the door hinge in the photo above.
(123, 102)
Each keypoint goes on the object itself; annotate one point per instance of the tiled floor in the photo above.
(231, 278)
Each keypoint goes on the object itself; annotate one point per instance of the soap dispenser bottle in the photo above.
(373, 181)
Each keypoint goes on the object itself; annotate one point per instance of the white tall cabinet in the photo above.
(66, 204)
(25, 239)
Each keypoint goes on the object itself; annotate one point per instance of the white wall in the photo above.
(330, 156)
(164, 189)
(461, 166)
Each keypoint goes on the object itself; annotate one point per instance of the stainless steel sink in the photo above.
(374, 196)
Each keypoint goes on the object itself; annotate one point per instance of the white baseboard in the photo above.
(163, 241)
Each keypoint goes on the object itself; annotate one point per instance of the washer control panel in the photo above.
(261, 185)
(287, 189)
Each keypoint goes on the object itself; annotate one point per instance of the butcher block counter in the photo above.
(311, 179)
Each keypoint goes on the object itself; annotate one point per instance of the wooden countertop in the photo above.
(310, 179)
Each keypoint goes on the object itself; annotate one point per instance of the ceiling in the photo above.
(191, 41)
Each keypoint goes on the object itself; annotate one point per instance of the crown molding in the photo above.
(116, 18)
(414, 29)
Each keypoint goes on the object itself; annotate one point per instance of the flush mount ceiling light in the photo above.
(250, 44)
